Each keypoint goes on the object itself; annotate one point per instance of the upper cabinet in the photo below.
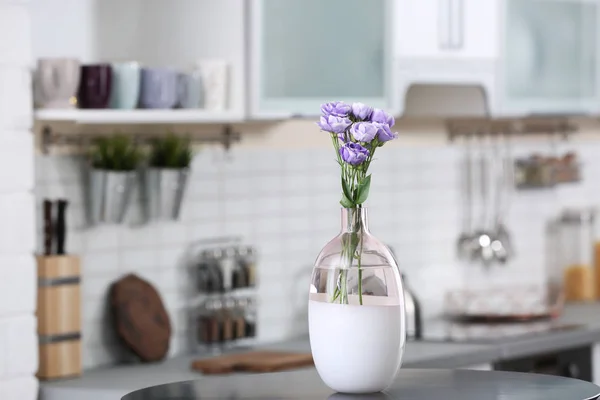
(447, 42)
(304, 53)
(550, 57)
(286, 57)
(447, 29)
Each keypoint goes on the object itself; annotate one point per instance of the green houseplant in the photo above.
(166, 177)
(171, 152)
(113, 177)
(115, 153)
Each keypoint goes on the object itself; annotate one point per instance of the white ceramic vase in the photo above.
(356, 315)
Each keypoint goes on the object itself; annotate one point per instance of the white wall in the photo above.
(280, 191)
(18, 339)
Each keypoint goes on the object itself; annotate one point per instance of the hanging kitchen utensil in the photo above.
(483, 251)
(502, 244)
(465, 241)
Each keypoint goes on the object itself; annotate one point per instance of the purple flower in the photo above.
(335, 108)
(353, 153)
(384, 133)
(334, 124)
(382, 117)
(364, 131)
(361, 111)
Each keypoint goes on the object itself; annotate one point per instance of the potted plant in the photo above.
(113, 177)
(166, 177)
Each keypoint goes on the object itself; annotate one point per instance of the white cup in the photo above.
(215, 82)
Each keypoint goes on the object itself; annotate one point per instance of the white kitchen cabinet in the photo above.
(549, 61)
(446, 43)
(447, 29)
(304, 53)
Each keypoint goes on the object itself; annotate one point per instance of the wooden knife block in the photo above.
(59, 316)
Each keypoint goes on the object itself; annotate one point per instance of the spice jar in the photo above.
(228, 320)
(250, 317)
(240, 275)
(227, 265)
(215, 271)
(210, 327)
(239, 320)
(248, 257)
(576, 253)
(206, 280)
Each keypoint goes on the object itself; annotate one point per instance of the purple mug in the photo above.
(95, 86)
(158, 88)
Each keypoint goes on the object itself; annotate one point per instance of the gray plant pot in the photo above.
(163, 190)
(110, 194)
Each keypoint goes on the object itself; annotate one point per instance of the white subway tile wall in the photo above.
(18, 281)
(285, 202)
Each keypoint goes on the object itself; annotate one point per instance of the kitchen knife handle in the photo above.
(61, 228)
(48, 231)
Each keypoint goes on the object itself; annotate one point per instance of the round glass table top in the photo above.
(411, 384)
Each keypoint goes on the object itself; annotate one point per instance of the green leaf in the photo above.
(346, 189)
(346, 202)
(363, 190)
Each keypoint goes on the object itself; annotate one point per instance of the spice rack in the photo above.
(538, 170)
(225, 280)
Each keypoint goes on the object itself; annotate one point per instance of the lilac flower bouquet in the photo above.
(357, 131)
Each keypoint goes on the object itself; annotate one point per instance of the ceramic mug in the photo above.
(158, 88)
(215, 81)
(125, 91)
(189, 90)
(95, 86)
(56, 81)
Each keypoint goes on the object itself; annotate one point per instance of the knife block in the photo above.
(59, 316)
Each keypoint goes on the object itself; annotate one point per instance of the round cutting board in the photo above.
(140, 318)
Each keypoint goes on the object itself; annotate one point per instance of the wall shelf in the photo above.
(108, 117)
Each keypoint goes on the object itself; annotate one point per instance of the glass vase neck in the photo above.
(355, 220)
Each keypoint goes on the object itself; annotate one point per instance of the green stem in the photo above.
(360, 299)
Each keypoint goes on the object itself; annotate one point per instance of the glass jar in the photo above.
(250, 316)
(576, 253)
(356, 310)
(247, 262)
(210, 327)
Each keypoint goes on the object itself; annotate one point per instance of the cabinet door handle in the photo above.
(444, 24)
(457, 24)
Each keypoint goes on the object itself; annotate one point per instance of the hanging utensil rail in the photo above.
(49, 137)
(509, 126)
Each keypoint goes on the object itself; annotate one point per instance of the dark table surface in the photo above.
(411, 384)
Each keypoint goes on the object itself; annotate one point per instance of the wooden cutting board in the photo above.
(255, 361)
(140, 318)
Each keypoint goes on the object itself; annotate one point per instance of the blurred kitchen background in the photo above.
(496, 104)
